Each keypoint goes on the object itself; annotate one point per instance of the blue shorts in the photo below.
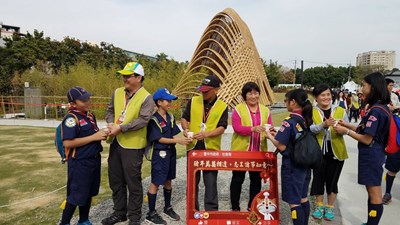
(393, 162)
(370, 162)
(163, 166)
(295, 182)
(83, 180)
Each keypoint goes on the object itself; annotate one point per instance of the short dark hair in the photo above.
(319, 88)
(388, 81)
(379, 91)
(248, 87)
(156, 102)
(137, 75)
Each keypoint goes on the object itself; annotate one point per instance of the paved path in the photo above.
(352, 199)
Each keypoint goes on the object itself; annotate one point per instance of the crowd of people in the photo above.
(132, 123)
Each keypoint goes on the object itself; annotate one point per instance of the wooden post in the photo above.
(4, 107)
(55, 104)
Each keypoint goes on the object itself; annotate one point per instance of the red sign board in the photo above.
(264, 209)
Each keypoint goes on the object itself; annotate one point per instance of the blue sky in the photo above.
(318, 32)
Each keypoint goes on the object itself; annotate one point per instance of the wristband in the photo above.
(348, 131)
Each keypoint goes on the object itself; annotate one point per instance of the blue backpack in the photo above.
(63, 151)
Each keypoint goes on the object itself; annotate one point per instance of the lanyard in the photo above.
(205, 115)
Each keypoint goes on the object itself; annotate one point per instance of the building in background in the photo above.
(7, 31)
(387, 59)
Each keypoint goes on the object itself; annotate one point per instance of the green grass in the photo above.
(277, 118)
(30, 167)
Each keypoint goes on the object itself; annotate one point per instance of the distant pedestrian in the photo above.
(295, 179)
(81, 134)
(372, 136)
(354, 107)
(392, 163)
(341, 100)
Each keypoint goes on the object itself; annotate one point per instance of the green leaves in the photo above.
(35, 51)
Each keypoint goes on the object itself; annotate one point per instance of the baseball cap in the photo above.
(132, 68)
(77, 93)
(209, 82)
(163, 93)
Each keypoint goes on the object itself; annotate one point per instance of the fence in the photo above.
(54, 107)
(44, 107)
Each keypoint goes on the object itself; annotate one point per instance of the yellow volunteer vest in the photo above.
(196, 119)
(133, 139)
(242, 143)
(338, 145)
(354, 102)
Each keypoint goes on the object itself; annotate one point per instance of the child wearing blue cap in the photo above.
(161, 133)
(81, 135)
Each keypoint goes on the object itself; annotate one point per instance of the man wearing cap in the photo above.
(127, 117)
(207, 117)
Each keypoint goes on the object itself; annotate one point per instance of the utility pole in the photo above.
(295, 68)
(302, 74)
(349, 77)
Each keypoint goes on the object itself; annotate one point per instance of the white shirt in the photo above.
(395, 100)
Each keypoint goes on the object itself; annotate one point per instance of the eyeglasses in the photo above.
(128, 77)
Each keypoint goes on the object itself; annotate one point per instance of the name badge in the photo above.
(203, 127)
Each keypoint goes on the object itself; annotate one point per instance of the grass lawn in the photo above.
(30, 171)
(32, 182)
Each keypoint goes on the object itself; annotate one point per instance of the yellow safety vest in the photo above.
(337, 142)
(131, 139)
(196, 119)
(242, 143)
(354, 102)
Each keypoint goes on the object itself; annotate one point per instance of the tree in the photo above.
(273, 71)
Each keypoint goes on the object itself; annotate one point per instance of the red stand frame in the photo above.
(265, 206)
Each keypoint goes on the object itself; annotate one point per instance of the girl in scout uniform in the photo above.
(161, 133)
(326, 177)
(248, 121)
(81, 134)
(371, 134)
(295, 180)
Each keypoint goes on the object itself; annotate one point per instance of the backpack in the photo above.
(393, 142)
(63, 151)
(306, 151)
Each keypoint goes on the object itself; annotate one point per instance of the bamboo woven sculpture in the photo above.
(227, 50)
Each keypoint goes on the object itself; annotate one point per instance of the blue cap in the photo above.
(163, 93)
(77, 93)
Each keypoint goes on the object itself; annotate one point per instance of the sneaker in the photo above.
(87, 222)
(329, 213)
(113, 219)
(154, 218)
(386, 199)
(171, 214)
(319, 212)
(133, 222)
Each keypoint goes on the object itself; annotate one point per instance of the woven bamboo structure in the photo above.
(227, 50)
